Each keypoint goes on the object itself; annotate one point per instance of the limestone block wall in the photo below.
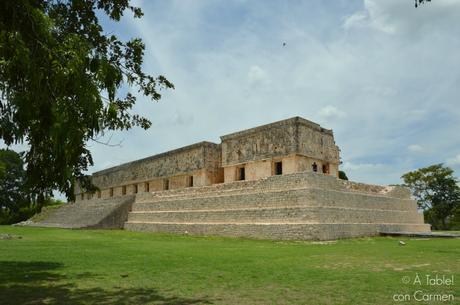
(305, 164)
(292, 206)
(191, 165)
(317, 143)
(260, 169)
(268, 141)
(300, 145)
(297, 142)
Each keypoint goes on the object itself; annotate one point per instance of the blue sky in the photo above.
(383, 75)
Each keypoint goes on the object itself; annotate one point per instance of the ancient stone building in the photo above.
(277, 181)
(285, 147)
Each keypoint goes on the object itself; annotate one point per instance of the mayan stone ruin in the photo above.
(276, 181)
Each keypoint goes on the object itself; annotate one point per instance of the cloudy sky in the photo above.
(383, 75)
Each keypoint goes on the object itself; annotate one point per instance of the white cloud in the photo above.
(415, 148)
(455, 161)
(181, 118)
(331, 112)
(362, 166)
(396, 16)
(373, 16)
(355, 20)
(257, 75)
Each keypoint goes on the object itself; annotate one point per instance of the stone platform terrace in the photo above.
(91, 214)
(298, 206)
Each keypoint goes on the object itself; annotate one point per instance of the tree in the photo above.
(343, 175)
(60, 81)
(437, 192)
(418, 2)
(13, 195)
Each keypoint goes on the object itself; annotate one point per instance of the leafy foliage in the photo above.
(12, 192)
(15, 203)
(418, 2)
(343, 175)
(437, 192)
(60, 78)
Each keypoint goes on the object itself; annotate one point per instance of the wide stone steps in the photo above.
(297, 206)
(279, 215)
(282, 231)
(276, 198)
(95, 213)
(273, 183)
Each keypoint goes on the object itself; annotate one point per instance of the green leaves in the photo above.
(436, 190)
(12, 175)
(60, 77)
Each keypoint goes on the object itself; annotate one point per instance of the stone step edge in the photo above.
(274, 223)
(265, 208)
(300, 177)
(198, 195)
(183, 197)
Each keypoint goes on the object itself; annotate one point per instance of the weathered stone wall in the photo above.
(268, 141)
(296, 142)
(199, 161)
(180, 161)
(291, 206)
(280, 139)
(317, 143)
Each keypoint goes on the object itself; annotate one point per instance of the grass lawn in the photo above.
(56, 266)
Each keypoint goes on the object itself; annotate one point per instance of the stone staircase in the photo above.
(296, 206)
(110, 213)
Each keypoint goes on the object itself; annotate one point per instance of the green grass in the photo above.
(55, 266)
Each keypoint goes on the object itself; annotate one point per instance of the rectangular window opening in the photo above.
(190, 181)
(135, 189)
(111, 192)
(147, 187)
(166, 184)
(278, 168)
(123, 190)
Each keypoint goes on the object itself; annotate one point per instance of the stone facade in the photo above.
(277, 181)
(291, 206)
(194, 165)
(285, 147)
(296, 144)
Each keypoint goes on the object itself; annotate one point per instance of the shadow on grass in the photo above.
(37, 283)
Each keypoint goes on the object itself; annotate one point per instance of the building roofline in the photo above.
(154, 157)
(294, 120)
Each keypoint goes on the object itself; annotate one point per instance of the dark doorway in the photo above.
(190, 181)
(166, 184)
(135, 189)
(123, 190)
(326, 168)
(111, 192)
(314, 167)
(241, 173)
(146, 187)
(278, 168)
